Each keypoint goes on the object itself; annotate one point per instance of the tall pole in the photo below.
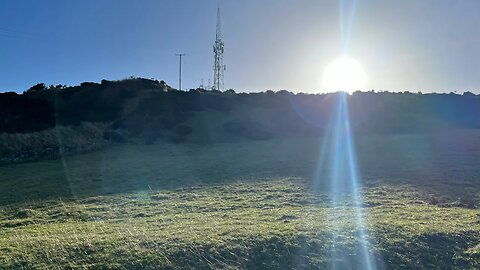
(180, 55)
(218, 47)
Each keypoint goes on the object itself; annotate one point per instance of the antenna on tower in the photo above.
(218, 67)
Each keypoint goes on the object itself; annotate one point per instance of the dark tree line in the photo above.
(144, 106)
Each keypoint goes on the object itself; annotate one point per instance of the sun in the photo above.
(344, 74)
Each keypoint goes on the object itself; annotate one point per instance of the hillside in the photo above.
(46, 121)
(133, 174)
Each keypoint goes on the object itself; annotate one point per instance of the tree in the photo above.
(36, 87)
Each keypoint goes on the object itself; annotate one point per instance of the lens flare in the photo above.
(337, 173)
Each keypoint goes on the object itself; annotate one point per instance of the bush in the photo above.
(51, 143)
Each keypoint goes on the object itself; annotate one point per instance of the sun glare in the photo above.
(344, 74)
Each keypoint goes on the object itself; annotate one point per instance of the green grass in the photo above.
(270, 224)
(244, 205)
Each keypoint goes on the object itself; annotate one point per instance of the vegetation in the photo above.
(139, 104)
(276, 224)
(240, 205)
(146, 110)
(212, 180)
(53, 142)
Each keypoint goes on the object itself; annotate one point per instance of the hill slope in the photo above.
(147, 111)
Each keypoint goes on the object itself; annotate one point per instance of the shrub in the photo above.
(51, 143)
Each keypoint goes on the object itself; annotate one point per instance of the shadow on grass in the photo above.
(137, 168)
(443, 168)
(428, 251)
(432, 251)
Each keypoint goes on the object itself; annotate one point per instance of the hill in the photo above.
(44, 121)
(133, 174)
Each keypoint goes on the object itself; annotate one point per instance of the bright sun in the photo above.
(344, 74)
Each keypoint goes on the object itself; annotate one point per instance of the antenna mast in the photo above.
(218, 67)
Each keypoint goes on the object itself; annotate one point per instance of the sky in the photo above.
(408, 45)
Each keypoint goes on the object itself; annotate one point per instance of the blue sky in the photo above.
(430, 45)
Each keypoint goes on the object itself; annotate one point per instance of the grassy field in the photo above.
(244, 205)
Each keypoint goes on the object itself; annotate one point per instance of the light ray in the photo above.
(337, 156)
(347, 17)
